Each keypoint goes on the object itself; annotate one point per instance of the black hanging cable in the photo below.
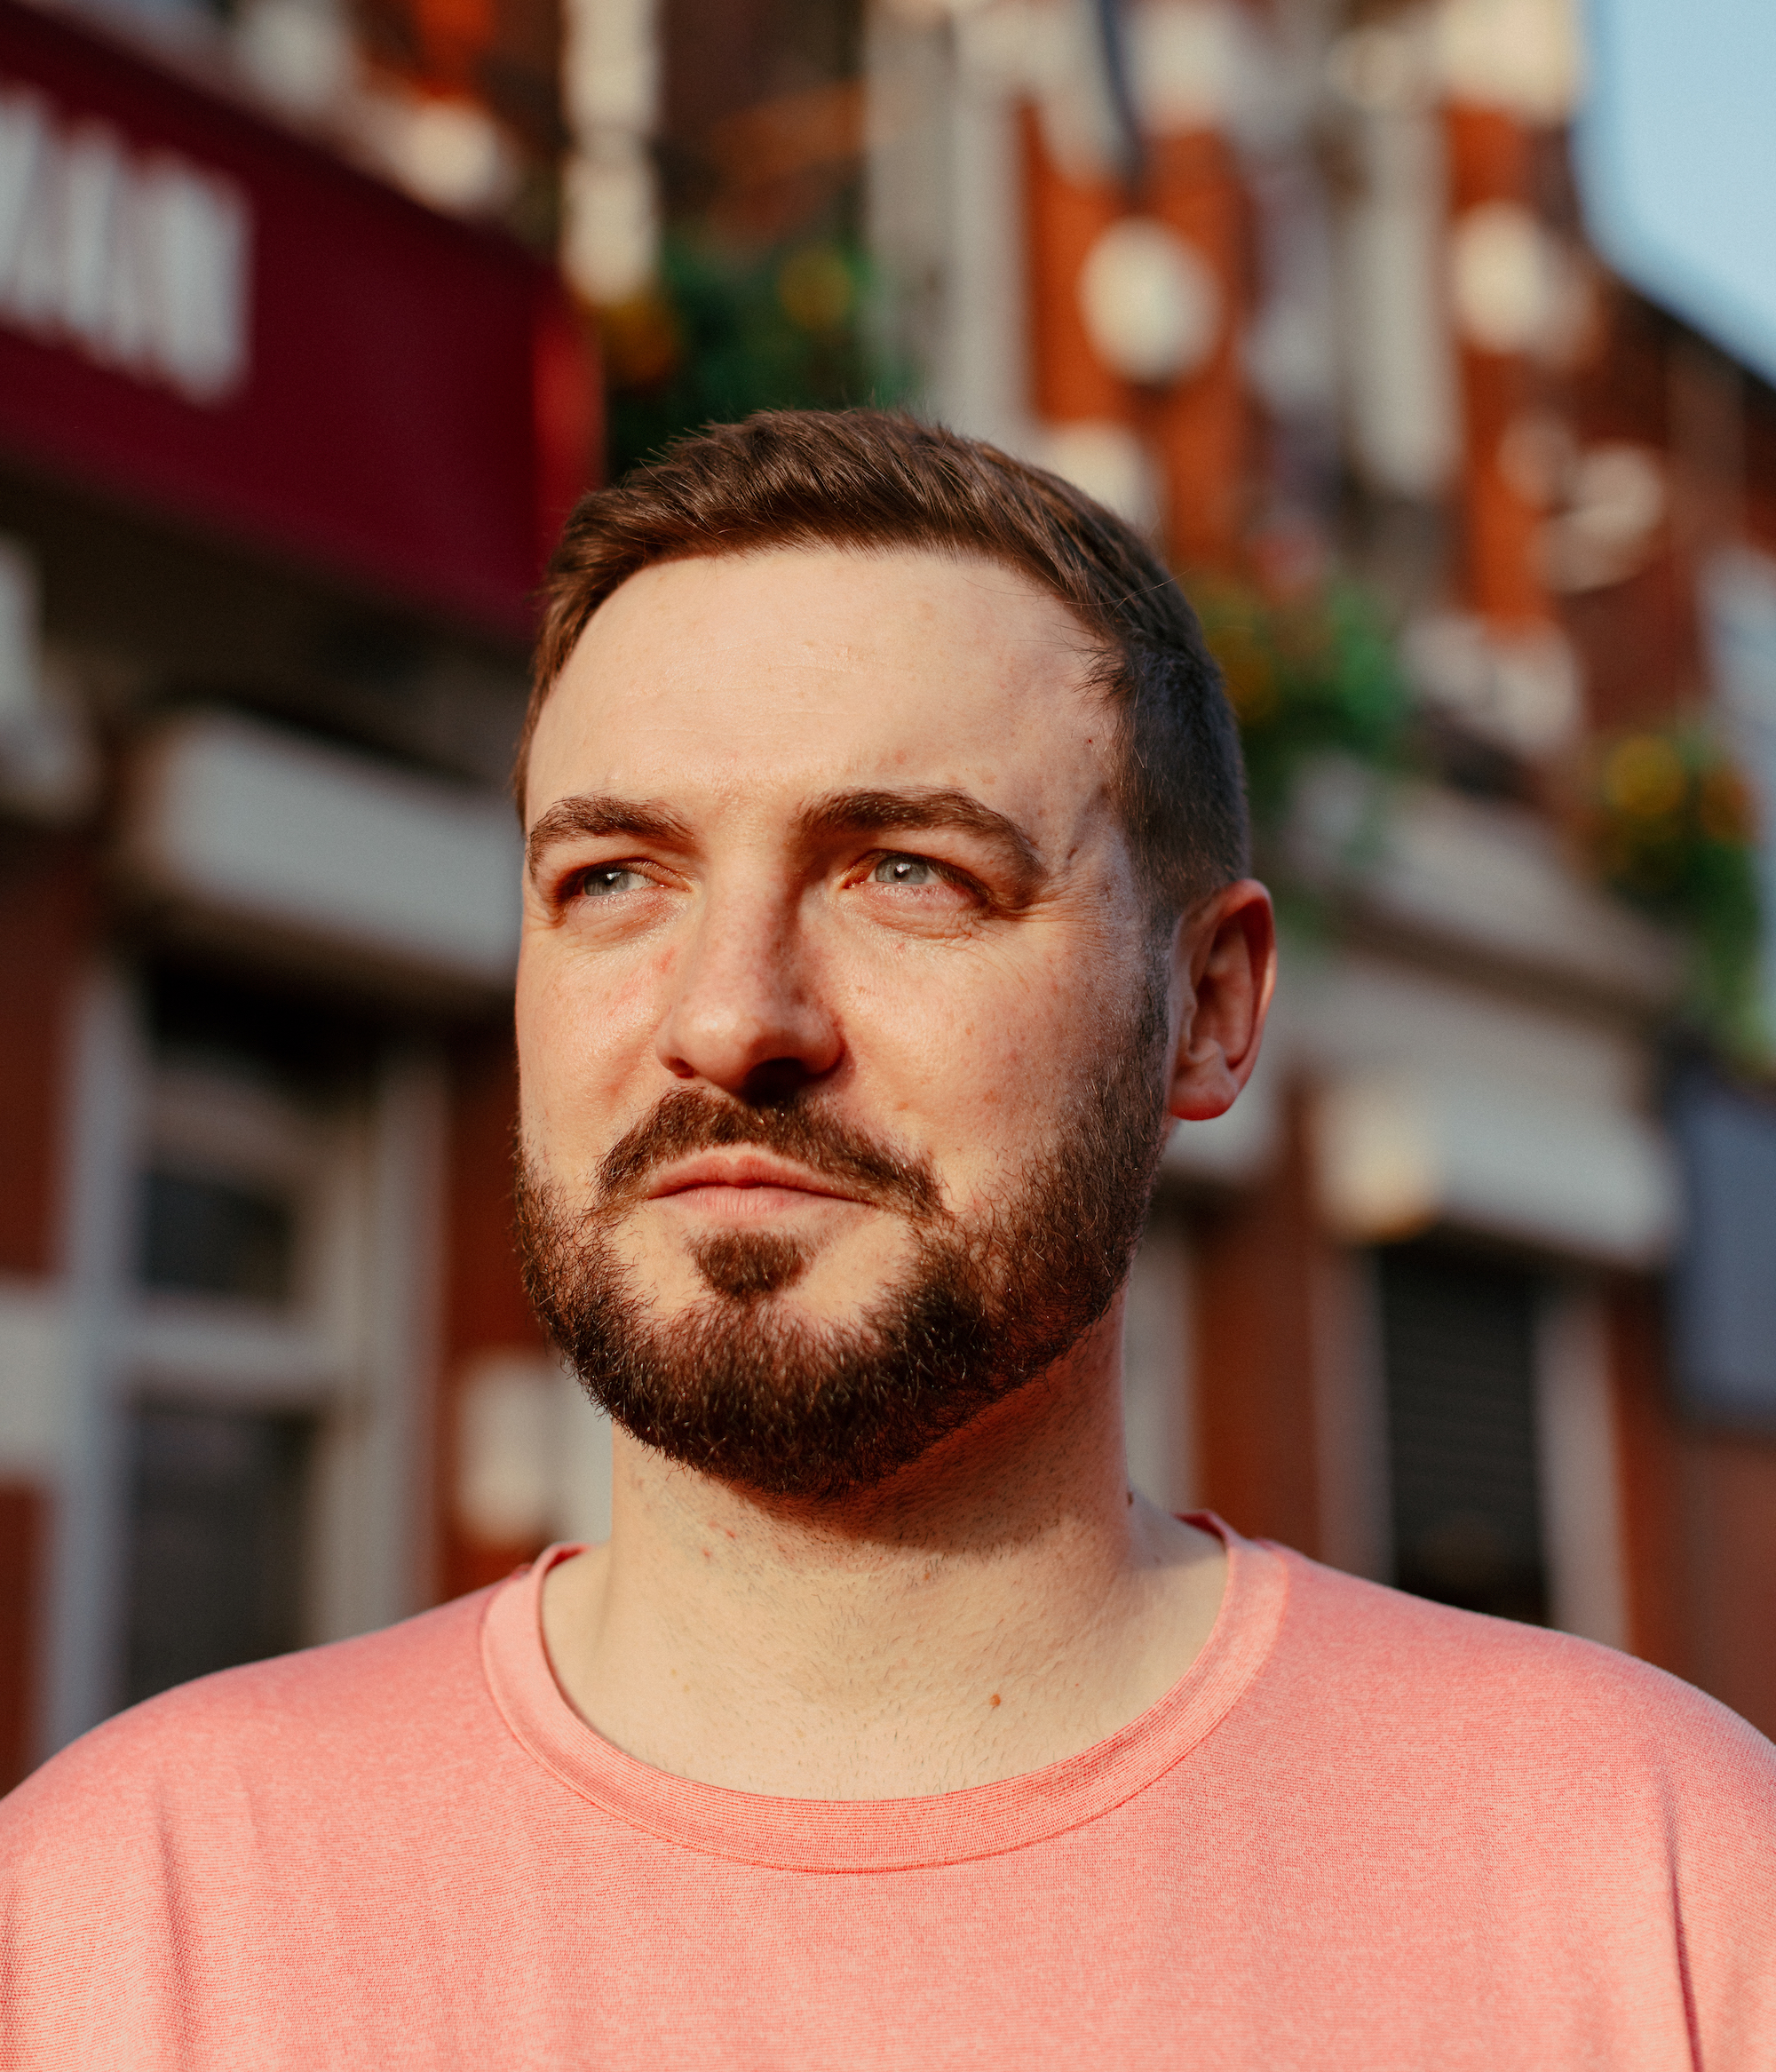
(1112, 50)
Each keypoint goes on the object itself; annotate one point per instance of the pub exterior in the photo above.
(281, 454)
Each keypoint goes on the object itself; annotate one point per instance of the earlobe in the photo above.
(1225, 975)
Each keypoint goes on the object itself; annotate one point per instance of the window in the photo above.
(1459, 1351)
(243, 1346)
(216, 1516)
(263, 1380)
(202, 1235)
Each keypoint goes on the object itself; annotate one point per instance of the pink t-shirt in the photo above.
(1363, 1831)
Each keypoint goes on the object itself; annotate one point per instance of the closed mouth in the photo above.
(745, 1168)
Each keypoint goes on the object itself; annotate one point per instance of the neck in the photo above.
(1001, 1604)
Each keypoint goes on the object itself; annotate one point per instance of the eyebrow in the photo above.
(866, 811)
(602, 812)
(920, 809)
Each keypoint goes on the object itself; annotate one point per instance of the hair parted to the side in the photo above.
(871, 480)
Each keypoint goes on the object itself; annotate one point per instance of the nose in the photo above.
(747, 1012)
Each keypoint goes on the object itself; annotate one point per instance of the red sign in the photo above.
(208, 317)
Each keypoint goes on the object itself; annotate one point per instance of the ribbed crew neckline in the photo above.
(880, 1834)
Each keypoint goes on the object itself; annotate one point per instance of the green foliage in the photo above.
(1671, 829)
(727, 332)
(1307, 675)
(1667, 819)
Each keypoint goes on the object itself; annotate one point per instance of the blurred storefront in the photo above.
(282, 452)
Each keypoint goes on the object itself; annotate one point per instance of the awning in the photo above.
(255, 839)
(206, 317)
(1399, 1152)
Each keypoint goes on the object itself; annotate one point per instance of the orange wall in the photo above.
(24, 1521)
(1492, 159)
(46, 923)
(1253, 1260)
(46, 926)
(1700, 1508)
(1065, 218)
(1199, 426)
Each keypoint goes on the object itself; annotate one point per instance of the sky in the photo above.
(1677, 151)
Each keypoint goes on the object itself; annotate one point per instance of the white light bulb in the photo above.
(1150, 301)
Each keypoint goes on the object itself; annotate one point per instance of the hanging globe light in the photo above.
(1150, 301)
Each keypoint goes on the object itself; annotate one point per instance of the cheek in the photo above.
(583, 1038)
(970, 1063)
(536, 1017)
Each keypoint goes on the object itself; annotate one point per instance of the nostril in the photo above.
(776, 1081)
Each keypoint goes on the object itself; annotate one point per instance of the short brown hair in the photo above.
(872, 479)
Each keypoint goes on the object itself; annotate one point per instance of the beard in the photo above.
(741, 1386)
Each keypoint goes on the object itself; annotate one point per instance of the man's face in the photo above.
(841, 1039)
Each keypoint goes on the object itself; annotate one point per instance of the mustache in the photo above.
(685, 1122)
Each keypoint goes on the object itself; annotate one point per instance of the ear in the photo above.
(1222, 976)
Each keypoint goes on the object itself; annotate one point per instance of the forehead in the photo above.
(801, 669)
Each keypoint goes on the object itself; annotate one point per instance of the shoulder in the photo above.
(1505, 1699)
(1602, 1806)
(165, 1878)
(271, 1731)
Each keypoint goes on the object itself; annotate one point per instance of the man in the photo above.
(885, 904)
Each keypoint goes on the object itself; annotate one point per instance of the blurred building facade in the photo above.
(282, 447)
(1310, 291)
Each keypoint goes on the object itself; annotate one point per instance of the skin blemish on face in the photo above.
(994, 1699)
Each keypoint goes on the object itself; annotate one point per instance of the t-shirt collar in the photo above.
(880, 1834)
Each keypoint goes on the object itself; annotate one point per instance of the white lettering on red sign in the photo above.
(137, 259)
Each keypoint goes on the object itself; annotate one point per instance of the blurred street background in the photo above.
(1435, 345)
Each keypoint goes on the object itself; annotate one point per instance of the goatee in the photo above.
(743, 1387)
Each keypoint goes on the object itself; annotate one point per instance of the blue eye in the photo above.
(609, 879)
(904, 870)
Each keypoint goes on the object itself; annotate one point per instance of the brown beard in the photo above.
(740, 1388)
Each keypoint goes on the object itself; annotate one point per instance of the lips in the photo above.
(738, 1151)
(745, 1169)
